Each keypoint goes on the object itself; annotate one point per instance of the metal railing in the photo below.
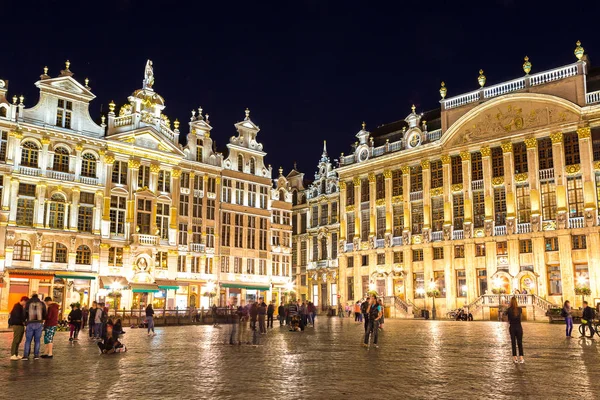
(576, 222)
(174, 316)
(524, 227)
(458, 235)
(500, 230)
(477, 185)
(437, 236)
(397, 241)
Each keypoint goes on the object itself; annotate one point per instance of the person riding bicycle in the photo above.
(587, 318)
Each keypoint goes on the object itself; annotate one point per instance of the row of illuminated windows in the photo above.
(195, 264)
(244, 193)
(235, 226)
(30, 157)
(239, 265)
(320, 215)
(52, 252)
(581, 275)
(196, 206)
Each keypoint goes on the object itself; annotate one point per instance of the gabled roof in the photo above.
(149, 138)
(393, 130)
(66, 85)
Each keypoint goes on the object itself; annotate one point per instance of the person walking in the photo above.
(313, 312)
(375, 313)
(364, 309)
(382, 319)
(270, 312)
(340, 310)
(253, 315)
(35, 314)
(98, 319)
(357, 313)
(84, 316)
(75, 317)
(514, 313)
(50, 325)
(150, 319)
(92, 319)
(262, 313)
(587, 318)
(566, 313)
(281, 314)
(16, 320)
(214, 314)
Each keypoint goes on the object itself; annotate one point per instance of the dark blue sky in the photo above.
(308, 70)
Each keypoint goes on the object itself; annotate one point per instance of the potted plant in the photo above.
(583, 291)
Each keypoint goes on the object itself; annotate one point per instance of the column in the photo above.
(39, 205)
(44, 155)
(406, 232)
(509, 187)
(97, 215)
(539, 265)
(465, 157)
(357, 219)
(175, 192)
(372, 208)
(567, 271)
(342, 211)
(66, 221)
(14, 191)
(426, 201)
(154, 170)
(470, 271)
(447, 171)
(558, 158)
(586, 156)
(533, 176)
(109, 161)
(387, 174)
(132, 172)
(488, 192)
(74, 209)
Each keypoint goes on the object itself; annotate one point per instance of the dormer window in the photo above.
(199, 148)
(63, 113)
(240, 163)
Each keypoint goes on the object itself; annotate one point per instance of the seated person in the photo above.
(109, 344)
(118, 328)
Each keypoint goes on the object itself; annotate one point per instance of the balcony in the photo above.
(458, 235)
(348, 247)
(477, 185)
(61, 176)
(147, 240)
(500, 230)
(546, 174)
(593, 97)
(397, 241)
(29, 171)
(524, 228)
(197, 247)
(416, 196)
(437, 236)
(88, 180)
(379, 243)
(576, 222)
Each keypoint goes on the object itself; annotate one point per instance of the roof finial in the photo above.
(578, 51)
(481, 78)
(193, 115)
(67, 65)
(443, 90)
(206, 118)
(363, 125)
(295, 166)
(325, 147)
(46, 70)
(280, 171)
(148, 75)
(247, 114)
(200, 113)
(526, 66)
(87, 81)
(413, 108)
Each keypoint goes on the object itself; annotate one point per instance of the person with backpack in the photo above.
(99, 318)
(587, 317)
(566, 313)
(35, 314)
(17, 322)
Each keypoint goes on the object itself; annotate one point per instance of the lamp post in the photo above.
(116, 291)
(432, 292)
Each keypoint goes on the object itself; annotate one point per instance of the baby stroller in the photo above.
(295, 324)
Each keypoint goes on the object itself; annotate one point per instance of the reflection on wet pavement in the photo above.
(416, 359)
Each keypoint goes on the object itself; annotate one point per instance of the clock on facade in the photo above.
(414, 139)
(363, 155)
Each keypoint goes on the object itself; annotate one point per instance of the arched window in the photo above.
(240, 163)
(84, 255)
(252, 166)
(3, 112)
(55, 211)
(61, 160)
(29, 154)
(48, 252)
(88, 165)
(22, 251)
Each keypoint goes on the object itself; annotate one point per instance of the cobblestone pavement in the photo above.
(416, 360)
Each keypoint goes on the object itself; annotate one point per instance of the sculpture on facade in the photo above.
(148, 75)
(489, 228)
(535, 223)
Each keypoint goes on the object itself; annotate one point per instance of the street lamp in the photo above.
(432, 292)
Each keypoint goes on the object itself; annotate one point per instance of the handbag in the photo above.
(584, 321)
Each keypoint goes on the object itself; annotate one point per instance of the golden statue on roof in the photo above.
(148, 75)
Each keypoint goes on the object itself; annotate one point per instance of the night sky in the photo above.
(308, 70)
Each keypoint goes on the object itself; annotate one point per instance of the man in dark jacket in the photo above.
(50, 326)
(270, 312)
(588, 315)
(364, 309)
(281, 314)
(17, 322)
(253, 315)
(92, 317)
(35, 314)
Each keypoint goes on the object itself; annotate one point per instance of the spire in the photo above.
(324, 148)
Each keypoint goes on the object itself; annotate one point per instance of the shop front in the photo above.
(23, 282)
(72, 287)
(145, 293)
(114, 289)
(168, 294)
(247, 293)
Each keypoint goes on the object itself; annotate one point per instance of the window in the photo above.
(396, 183)
(364, 190)
(571, 143)
(119, 172)
(262, 234)
(501, 249)
(210, 209)
(29, 154)
(459, 210)
(117, 215)
(185, 180)
(350, 262)
(115, 257)
(500, 206)
(196, 206)
(181, 264)
(582, 276)
(210, 237)
(364, 260)
(554, 280)
(351, 227)
(575, 196)
(195, 265)
(226, 229)
(182, 238)
(380, 187)
(365, 219)
(252, 166)
(419, 285)
(350, 286)
(85, 215)
(324, 213)
(437, 174)
(164, 181)
(240, 163)
(334, 212)
(60, 253)
(497, 162)
(380, 222)
(83, 256)
(480, 250)
(199, 182)
(199, 148)
(225, 264)
(478, 209)
(144, 176)
(162, 220)
(598, 189)
(3, 144)
(545, 159)
(315, 248)
(456, 169)
(144, 213)
(523, 204)
(349, 193)
(88, 165)
(548, 192)
(61, 160)
(334, 247)
(398, 221)
(160, 260)
(262, 267)
(459, 251)
(476, 166)
(398, 257)
(263, 197)
(184, 205)
(324, 250)
(596, 143)
(525, 246)
(438, 253)
(520, 157)
(239, 192)
(416, 179)
(381, 259)
(239, 230)
(250, 266)
(417, 217)
(303, 254)
(551, 244)
(25, 211)
(63, 113)
(461, 283)
(251, 233)
(275, 267)
(251, 195)
(439, 278)
(417, 255)
(55, 212)
(482, 281)
(578, 242)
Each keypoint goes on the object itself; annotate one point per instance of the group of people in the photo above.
(587, 317)
(371, 311)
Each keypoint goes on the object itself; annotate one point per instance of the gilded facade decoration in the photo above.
(457, 187)
(445, 159)
(436, 191)
(371, 177)
(522, 177)
(387, 173)
(531, 143)
(380, 202)
(397, 199)
(465, 155)
(405, 169)
(485, 151)
(573, 169)
(507, 147)
(498, 181)
(584, 133)
(556, 137)
(425, 164)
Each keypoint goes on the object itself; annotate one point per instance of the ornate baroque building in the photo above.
(121, 212)
(495, 191)
(316, 233)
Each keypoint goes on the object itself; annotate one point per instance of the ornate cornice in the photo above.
(531, 143)
(425, 164)
(556, 137)
(573, 169)
(485, 151)
(521, 177)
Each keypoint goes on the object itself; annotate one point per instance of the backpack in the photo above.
(35, 311)
(563, 313)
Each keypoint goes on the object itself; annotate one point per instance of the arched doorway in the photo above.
(527, 282)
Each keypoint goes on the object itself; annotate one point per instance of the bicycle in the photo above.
(595, 327)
